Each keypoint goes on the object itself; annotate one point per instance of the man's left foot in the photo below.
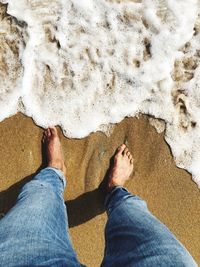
(52, 144)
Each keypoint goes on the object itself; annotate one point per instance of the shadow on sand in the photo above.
(85, 207)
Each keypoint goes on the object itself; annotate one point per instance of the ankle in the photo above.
(111, 184)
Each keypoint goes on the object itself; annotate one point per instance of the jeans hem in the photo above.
(112, 193)
(60, 175)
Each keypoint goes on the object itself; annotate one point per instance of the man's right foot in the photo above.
(121, 168)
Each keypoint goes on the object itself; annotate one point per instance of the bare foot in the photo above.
(53, 149)
(121, 168)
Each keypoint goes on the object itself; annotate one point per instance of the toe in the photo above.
(48, 132)
(45, 133)
(121, 149)
(125, 151)
(131, 161)
(128, 153)
(53, 131)
(44, 137)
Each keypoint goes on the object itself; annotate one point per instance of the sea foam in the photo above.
(86, 64)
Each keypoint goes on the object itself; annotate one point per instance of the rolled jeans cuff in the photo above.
(60, 175)
(117, 193)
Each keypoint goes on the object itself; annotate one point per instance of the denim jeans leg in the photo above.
(134, 237)
(35, 231)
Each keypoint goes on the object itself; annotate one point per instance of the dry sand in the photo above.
(169, 191)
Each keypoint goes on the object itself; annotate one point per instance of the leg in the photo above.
(35, 230)
(134, 237)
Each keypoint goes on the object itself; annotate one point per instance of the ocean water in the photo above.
(87, 64)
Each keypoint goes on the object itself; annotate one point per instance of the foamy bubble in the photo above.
(87, 64)
(10, 65)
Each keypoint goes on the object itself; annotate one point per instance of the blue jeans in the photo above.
(35, 231)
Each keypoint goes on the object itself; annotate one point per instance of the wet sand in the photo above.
(170, 193)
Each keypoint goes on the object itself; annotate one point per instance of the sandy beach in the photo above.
(170, 193)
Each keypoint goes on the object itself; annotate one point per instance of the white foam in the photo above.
(91, 63)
